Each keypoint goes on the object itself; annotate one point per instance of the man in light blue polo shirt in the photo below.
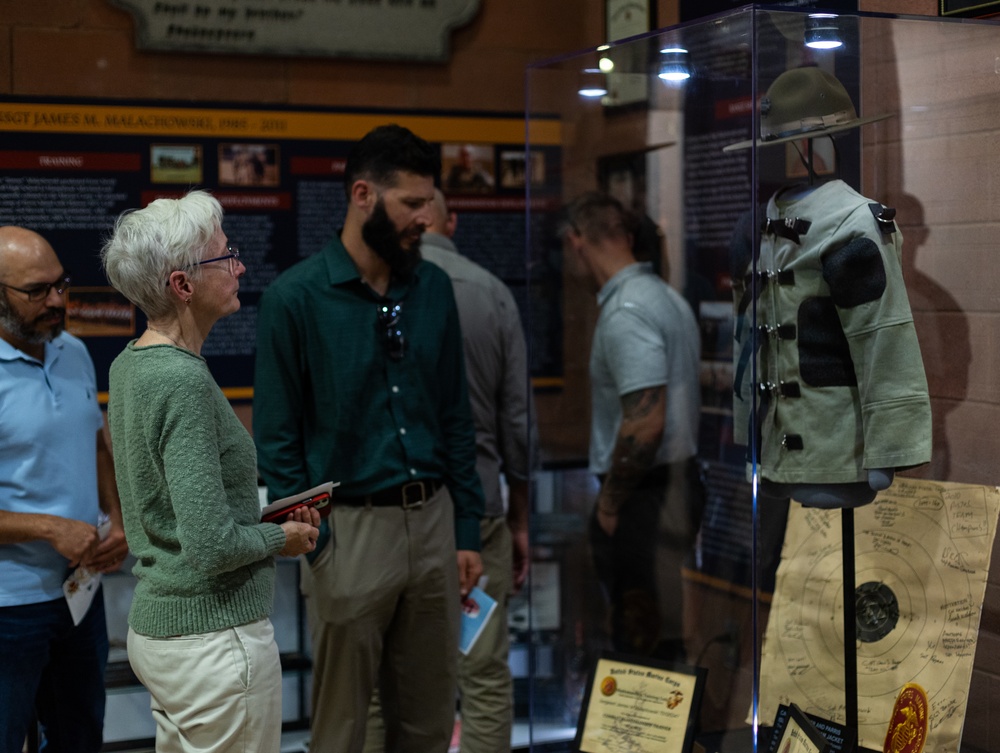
(56, 480)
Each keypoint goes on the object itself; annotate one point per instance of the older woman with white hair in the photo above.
(199, 638)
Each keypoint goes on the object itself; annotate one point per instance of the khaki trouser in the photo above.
(218, 691)
(484, 681)
(383, 608)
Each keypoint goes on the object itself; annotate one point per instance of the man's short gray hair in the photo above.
(595, 215)
(147, 244)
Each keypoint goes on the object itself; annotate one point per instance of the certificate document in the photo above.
(640, 706)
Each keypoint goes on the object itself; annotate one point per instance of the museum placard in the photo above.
(374, 29)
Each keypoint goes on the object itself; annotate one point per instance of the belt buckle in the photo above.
(405, 489)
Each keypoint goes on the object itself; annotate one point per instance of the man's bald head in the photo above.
(443, 221)
(32, 304)
(21, 252)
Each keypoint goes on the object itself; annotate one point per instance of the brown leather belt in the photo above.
(408, 496)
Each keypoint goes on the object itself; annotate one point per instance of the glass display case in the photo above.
(822, 191)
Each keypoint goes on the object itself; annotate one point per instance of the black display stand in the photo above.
(850, 619)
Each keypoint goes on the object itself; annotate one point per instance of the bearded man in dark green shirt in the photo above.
(360, 379)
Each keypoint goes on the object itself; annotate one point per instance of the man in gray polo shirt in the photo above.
(645, 402)
(496, 368)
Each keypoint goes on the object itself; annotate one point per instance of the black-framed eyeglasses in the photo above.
(392, 335)
(41, 291)
(233, 253)
(232, 257)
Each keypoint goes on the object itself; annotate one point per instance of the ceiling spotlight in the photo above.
(606, 64)
(674, 66)
(592, 84)
(821, 32)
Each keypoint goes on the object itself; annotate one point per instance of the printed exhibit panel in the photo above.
(68, 169)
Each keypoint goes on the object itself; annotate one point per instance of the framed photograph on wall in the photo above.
(175, 163)
(467, 168)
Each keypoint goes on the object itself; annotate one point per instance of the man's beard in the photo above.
(383, 238)
(29, 332)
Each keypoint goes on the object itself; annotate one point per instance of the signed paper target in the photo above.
(922, 554)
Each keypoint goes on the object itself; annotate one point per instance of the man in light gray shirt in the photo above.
(645, 401)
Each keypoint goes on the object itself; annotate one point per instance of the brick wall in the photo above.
(937, 163)
(86, 48)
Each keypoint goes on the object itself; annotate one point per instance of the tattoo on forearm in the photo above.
(636, 445)
(640, 404)
(633, 456)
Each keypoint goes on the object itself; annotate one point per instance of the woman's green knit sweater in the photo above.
(187, 476)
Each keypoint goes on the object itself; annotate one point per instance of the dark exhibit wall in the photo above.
(68, 169)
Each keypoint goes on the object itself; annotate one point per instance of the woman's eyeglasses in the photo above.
(41, 291)
(392, 335)
(233, 257)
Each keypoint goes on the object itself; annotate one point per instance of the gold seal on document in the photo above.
(609, 686)
(908, 723)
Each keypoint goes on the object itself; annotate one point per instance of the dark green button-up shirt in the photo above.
(330, 404)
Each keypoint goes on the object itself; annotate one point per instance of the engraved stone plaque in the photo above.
(374, 29)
